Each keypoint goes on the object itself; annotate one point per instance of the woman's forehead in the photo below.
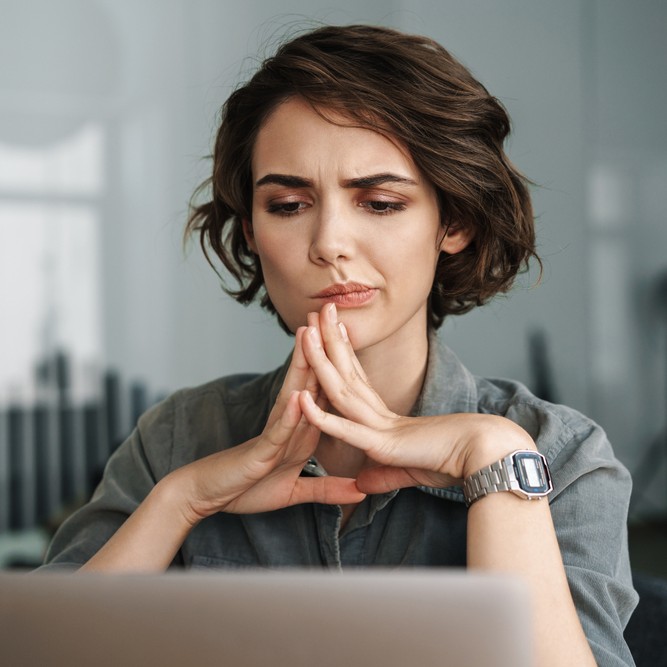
(296, 134)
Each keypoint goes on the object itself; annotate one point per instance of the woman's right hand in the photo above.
(263, 474)
(260, 475)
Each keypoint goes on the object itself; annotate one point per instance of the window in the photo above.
(50, 283)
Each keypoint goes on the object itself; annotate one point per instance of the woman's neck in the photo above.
(396, 368)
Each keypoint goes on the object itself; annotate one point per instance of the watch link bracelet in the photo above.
(524, 473)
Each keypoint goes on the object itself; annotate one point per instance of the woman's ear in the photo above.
(457, 237)
(248, 234)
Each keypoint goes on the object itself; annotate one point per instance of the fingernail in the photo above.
(343, 331)
(333, 315)
(312, 332)
(308, 396)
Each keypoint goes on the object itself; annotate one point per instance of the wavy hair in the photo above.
(407, 87)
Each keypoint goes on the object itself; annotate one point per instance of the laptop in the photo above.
(295, 618)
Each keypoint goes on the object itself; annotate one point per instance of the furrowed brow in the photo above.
(377, 179)
(284, 179)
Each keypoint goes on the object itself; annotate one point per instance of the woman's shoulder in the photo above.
(223, 393)
(573, 443)
(218, 414)
(543, 419)
(230, 390)
(451, 387)
(510, 397)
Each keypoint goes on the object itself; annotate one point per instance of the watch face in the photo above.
(532, 473)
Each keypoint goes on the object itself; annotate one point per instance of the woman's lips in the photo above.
(347, 295)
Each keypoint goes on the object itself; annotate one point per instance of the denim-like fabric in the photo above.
(411, 527)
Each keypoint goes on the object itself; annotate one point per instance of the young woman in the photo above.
(361, 191)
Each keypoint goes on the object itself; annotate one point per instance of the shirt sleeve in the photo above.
(128, 478)
(589, 507)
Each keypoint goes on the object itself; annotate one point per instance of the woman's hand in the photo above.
(260, 475)
(264, 473)
(434, 451)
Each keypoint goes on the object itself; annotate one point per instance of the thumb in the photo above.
(326, 490)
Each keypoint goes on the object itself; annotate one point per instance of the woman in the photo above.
(361, 190)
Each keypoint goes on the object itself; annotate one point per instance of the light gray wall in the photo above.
(585, 84)
(179, 65)
(529, 55)
(626, 161)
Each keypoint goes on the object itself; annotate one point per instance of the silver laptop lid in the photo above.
(246, 619)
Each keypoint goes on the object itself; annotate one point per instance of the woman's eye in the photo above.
(380, 207)
(286, 208)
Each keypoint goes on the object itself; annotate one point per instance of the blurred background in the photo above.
(107, 112)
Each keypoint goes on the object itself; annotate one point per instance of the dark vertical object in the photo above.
(40, 420)
(657, 449)
(543, 377)
(112, 410)
(51, 431)
(93, 461)
(65, 429)
(67, 462)
(138, 401)
(46, 441)
(17, 472)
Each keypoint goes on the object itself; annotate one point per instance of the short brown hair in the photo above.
(408, 87)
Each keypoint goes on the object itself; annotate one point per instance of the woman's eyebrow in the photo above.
(284, 179)
(361, 182)
(377, 179)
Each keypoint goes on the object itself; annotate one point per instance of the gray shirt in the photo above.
(411, 527)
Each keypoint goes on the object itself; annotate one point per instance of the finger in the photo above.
(291, 441)
(383, 446)
(299, 368)
(326, 490)
(312, 384)
(340, 333)
(278, 434)
(382, 479)
(294, 434)
(298, 377)
(341, 354)
(355, 374)
(337, 344)
(356, 434)
(315, 321)
(355, 361)
(354, 399)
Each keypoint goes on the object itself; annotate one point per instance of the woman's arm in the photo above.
(259, 475)
(509, 534)
(505, 532)
(150, 537)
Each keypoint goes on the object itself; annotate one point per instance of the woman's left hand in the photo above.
(437, 451)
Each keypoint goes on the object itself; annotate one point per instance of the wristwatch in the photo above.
(524, 472)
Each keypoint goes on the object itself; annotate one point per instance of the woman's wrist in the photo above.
(497, 438)
(151, 536)
(174, 493)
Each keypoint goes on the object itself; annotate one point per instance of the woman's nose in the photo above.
(332, 239)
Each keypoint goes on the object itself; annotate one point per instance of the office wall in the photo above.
(626, 162)
(583, 80)
(530, 56)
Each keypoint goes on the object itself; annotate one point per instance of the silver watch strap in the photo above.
(498, 476)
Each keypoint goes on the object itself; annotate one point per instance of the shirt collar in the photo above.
(449, 386)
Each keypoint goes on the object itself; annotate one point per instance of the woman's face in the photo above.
(342, 214)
